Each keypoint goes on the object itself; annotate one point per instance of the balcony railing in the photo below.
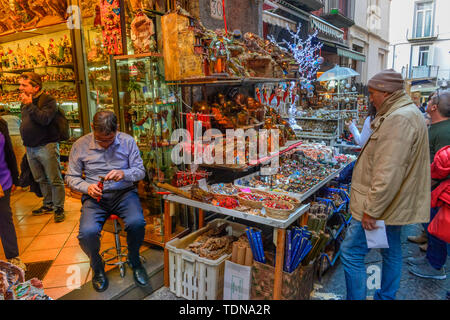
(307, 5)
(344, 7)
(424, 72)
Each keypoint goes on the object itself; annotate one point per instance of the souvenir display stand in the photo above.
(49, 52)
(279, 225)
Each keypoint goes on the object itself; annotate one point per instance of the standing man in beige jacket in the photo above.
(391, 182)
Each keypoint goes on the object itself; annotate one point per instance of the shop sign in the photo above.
(216, 9)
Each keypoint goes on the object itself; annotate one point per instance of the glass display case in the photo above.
(47, 51)
(98, 68)
(149, 111)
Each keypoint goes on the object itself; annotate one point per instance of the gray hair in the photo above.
(442, 99)
(105, 122)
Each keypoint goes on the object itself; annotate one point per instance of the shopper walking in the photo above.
(8, 180)
(391, 182)
(361, 138)
(14, 132)
(115, 156)
(432, 265)
(40, 135)
(422, 238)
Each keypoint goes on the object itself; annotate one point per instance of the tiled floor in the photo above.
(40, 239)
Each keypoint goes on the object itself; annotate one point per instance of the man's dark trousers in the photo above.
(7, 231)
(123, 203)
(437, 249)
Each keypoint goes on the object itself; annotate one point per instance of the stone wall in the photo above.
(245, 15)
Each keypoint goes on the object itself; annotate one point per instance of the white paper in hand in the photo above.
(377, 238)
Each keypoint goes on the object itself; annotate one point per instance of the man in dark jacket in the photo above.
(40, 136)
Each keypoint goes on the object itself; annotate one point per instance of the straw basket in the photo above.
(250, 203)
(294, 201)
(220, 196)
(281, 214)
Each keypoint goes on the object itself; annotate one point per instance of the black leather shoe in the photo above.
(100, 281)
(59, 215)
(140, 276)
(42, 210)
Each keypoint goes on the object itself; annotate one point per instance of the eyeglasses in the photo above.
(106, 140)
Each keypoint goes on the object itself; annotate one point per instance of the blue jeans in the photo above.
(127, 206)
(354, 250)
(437, 249)
(45, 167)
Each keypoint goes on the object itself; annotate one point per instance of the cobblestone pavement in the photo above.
(332, 286)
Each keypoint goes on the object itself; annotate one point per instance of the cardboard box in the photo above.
(236, 281)
(180, 59)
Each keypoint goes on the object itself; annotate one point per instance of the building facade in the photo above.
(370, 36)
(420, 43)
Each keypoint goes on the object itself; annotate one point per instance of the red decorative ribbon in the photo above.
(224, 16)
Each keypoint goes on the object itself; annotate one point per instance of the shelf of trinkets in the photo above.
(299, 171)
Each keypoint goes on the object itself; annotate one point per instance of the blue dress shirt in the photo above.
(89, 157)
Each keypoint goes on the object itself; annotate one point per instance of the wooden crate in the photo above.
(180, 59)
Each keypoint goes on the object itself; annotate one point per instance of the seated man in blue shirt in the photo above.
(115, 156)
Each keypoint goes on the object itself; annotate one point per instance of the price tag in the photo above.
(202, 185)
(247, 190)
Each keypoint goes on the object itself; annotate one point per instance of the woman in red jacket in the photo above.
(432, 265)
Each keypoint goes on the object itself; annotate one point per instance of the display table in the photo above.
(279, 225)
(300, 196)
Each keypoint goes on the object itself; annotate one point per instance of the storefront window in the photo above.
(97, 59)
(148, 111)
(48, 52)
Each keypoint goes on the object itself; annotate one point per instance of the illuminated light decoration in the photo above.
(305, 53)
(307, 56)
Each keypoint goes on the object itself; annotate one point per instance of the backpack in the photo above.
(62, 124)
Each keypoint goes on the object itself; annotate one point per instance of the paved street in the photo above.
(332, 286)
(411, 287)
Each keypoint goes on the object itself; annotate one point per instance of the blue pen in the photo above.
(252, 245)
(305, 252)
(260, 246)
(255, 242)
(288, 249)
(298, 255)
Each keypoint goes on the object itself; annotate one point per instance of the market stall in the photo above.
(241, 200)
(162, 70)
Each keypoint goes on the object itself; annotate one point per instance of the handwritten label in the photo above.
(202, 185)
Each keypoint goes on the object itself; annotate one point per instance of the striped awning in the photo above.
(326, 28)
(277, 20)
(354, 55)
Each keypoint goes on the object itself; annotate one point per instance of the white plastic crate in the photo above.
(193, 277)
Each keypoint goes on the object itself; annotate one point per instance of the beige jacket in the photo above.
(391, 178)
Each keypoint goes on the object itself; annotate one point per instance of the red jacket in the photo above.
(440, 169)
